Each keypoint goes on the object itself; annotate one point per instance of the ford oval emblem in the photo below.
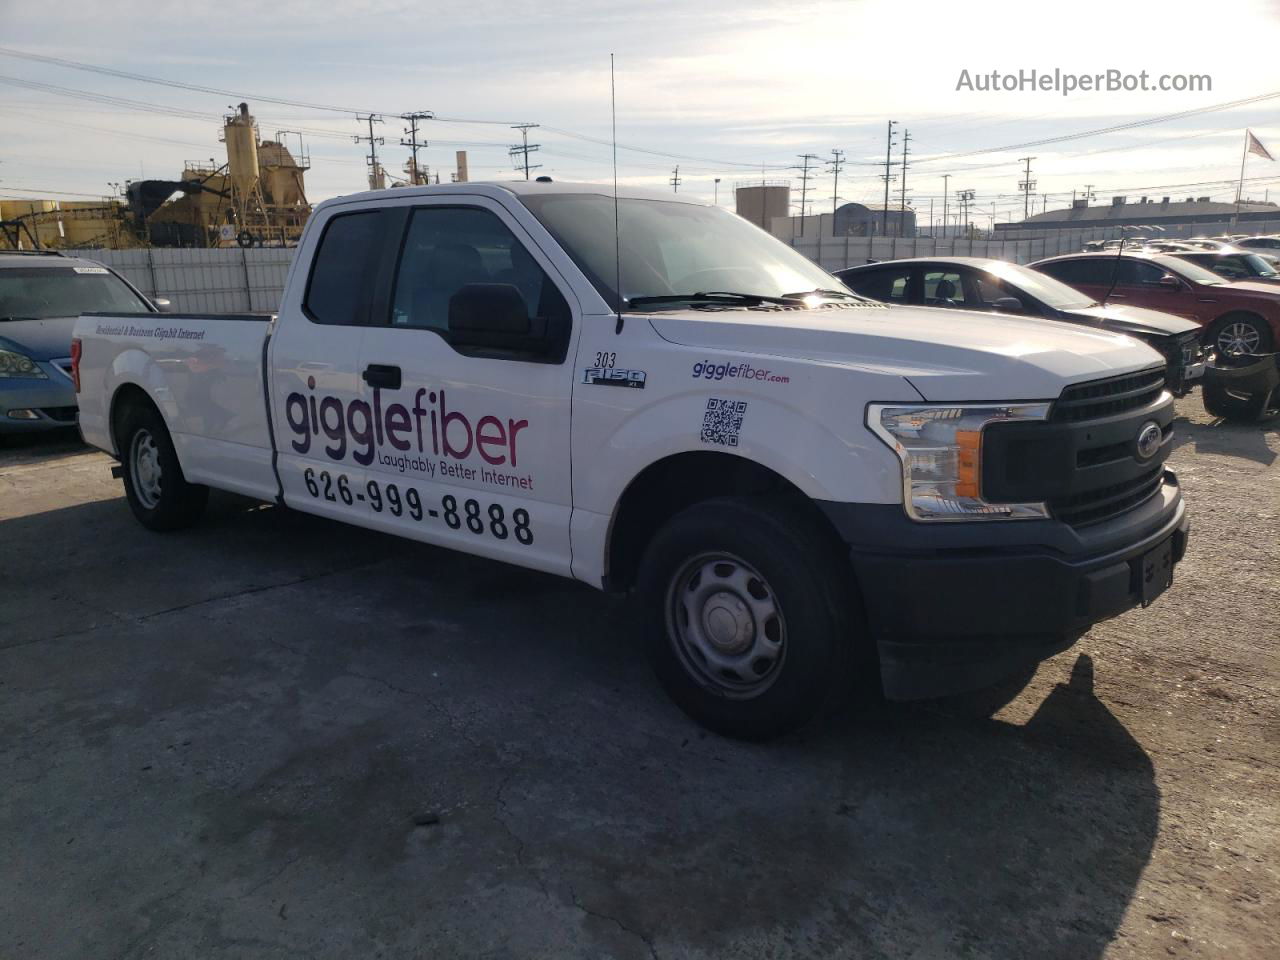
(1149, 440)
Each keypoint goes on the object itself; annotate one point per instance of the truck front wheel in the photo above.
(154, 485)
(746, 619)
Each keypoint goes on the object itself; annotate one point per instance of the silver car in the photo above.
(41, 296)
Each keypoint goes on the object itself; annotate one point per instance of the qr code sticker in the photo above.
(723, 421)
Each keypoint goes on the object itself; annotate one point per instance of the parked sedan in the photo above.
(1270, 244)
(41, 296)
(1237, 317)
(1241, 265)
(976, 283)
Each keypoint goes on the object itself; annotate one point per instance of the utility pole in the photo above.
(675, 180)
(375, 172)
(888, 160)
(902, 216)
(836, 163)
(415, 178)
(965, 197)
(1088, 193)
(716, 193)
(804, 186)
(945, 178)
(1026, 185)
(520, 152)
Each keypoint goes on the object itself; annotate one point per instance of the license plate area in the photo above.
(1155, 571)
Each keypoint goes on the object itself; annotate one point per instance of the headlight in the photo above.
(17, 367)
(941, 452)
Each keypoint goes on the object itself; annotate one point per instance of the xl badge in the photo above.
(1149, 440)
(613, 377)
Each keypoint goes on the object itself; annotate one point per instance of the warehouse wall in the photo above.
(205, 281)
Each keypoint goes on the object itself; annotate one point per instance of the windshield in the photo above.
(39, 293)
(1050, 292)
(1234, 266)
(671, 248)
(1189, 271)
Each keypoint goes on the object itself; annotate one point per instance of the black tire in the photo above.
(1245, 330)
(1245, 408)
(769, 548)
(157, 490)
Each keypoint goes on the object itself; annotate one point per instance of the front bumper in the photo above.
(956, 607)
(28, 406)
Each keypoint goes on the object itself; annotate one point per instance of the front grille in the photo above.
(1094, 506)
(1104, 398)
(1191, 349)
(61, 414)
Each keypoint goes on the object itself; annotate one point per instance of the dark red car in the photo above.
(1237, 317)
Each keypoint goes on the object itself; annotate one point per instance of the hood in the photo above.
(1252, 287)
(947, 355)
(1122, 318)
(38, 339)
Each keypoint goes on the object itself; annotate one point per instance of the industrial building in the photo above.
(256, 198)
(1169, 218)
(849, 220)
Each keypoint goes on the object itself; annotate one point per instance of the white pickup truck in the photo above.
(796, 482)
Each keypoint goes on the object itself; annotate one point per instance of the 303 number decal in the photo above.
(399, 502)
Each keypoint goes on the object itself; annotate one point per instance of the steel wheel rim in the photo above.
(145, 472)
(726, 626)
(1239, 338)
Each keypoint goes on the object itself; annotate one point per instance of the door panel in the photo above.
(320, 414)
(476, 441)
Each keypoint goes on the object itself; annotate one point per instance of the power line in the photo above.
(335, 108)
(1115, 128)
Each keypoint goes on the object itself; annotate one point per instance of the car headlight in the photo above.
(940, 447)
(18, 367)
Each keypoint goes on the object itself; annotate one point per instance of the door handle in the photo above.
(382, 375)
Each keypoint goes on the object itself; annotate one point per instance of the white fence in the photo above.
(239, 280)
(205, 281)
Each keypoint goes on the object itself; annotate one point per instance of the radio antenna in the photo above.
(617, 235)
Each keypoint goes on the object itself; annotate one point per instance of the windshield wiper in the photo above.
(7, 319)
(714, 296)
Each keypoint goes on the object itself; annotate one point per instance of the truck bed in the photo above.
(204, 372)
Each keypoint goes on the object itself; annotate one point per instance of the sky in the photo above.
(724, 90)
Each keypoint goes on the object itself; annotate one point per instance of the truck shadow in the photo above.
(580, 813)
(1224, 438)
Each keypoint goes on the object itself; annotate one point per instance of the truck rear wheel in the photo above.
(745, 624)
(154, 485)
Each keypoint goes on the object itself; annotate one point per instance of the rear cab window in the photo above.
(339, 290)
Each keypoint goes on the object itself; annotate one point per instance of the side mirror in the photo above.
(1008, 305)
(1169, 282)
(163, 305)
(489, 315)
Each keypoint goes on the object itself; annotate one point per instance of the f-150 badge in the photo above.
(613, 377)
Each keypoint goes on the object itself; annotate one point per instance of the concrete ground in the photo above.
(220, 741)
